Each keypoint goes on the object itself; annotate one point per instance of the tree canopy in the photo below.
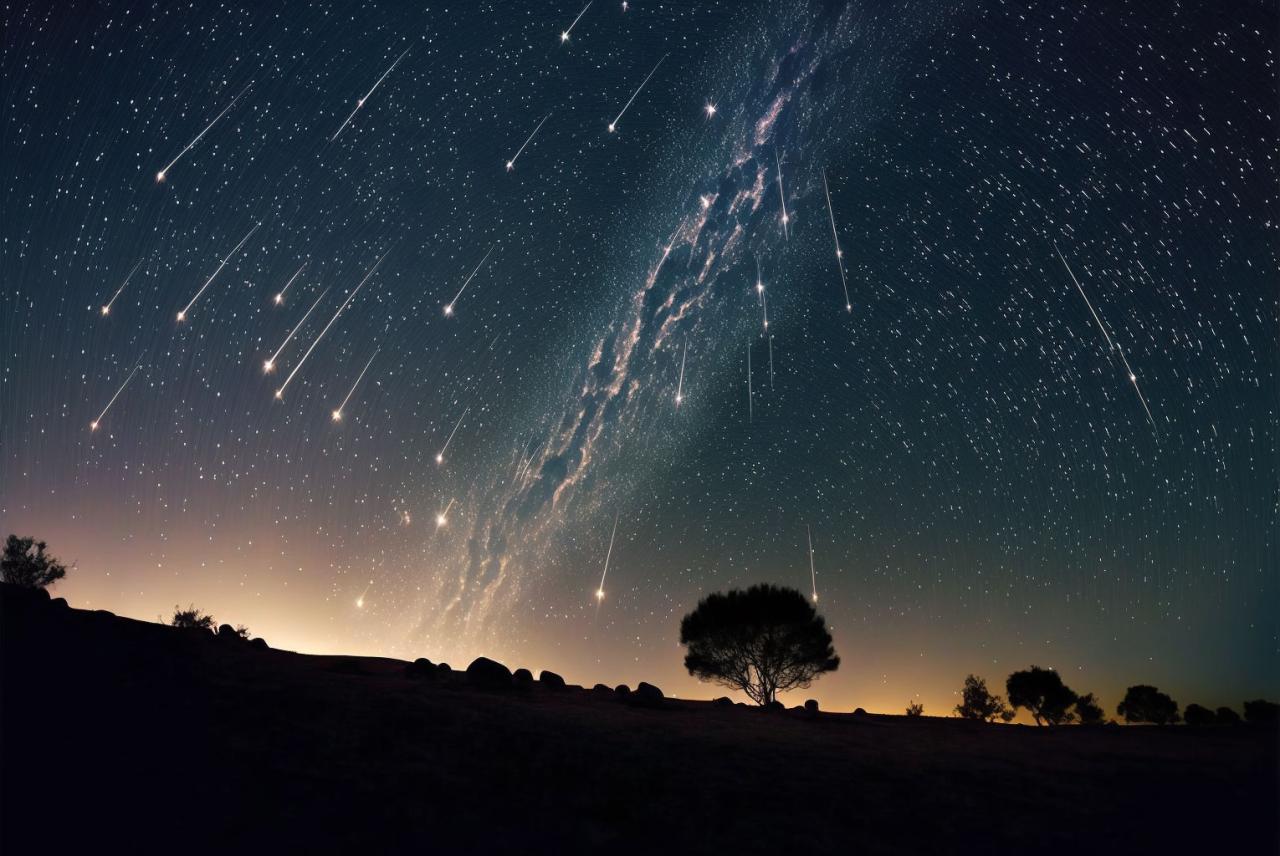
(762, 641)
(1043, 694)
(26, 564)
(1143, 703)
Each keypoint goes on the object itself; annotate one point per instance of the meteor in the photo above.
(448, 309)
(106, 307)
(564, 36)
(360, 103)
(442, 519)
(445, 448)
(848, 305)
(511, 164)
(345, 303)
(750, 411)
(337, 414)
(813, 576)
(613, 126)
(270, 364)
(93, 426)
(607, 556)
(160, 176)
(770, 361)
(782, 196)
(360, 599)
(182, 316)
(680, 386)
(279, 300)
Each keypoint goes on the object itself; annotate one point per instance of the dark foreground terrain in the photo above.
(142, 737)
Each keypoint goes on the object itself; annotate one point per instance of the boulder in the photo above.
(227, 633)
(421, 668)
(622, 691)
(550, 680)
(602, 690)
(491, 674)
(775, 705)
(859, 712)
(647, 695)
(443, 669)
(723, 701)
(59, 602)
(258, 644)
(522, 678)
(811, 706)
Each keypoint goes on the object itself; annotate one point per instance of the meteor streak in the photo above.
(607, 557)
(360, 599)
(337, 414)
(345, 303)
(93, 426)
(680, 386)
(445, 448)
(160, 176)
(782, 196)
(360, 103)
(564, 36)
(271, 363)
(448, 309)
(848, 305)
(511, 164)
(442, 519)
(106, 308)
(813, 575)
(750, 411)
(613, 126)
(182, 316)
(279, 300)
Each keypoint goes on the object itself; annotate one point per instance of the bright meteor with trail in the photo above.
(162, 174)
(270, 364)
(182, 315)
(337, 414)
(106, 307)
(445, 447)
(93, 426)
(448, 309)
(613, 126)
(511, 164)
(372, 89)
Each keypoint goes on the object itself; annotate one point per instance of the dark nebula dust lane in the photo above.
(496, 330)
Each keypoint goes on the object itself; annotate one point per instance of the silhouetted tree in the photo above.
(762, 641)
(1227, 716)
(915, 709)
(1144, 703)
(26, 564)
(1088, 711)
(191, 619)
(1043, 694)
(1261, 711)
(1195, 714)
(242, 631)
(977, 702)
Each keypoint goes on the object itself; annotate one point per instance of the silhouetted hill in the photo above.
(126, 734)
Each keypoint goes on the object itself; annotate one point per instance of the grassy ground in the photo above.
(118, 731)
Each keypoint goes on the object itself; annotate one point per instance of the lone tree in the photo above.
(978, 702)
(763, 641)
(192, 619)
(1043, 694)
(1195, 714)
(1144, 703)
(23, 567)
(1088, 711)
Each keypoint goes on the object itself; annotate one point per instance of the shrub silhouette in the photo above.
(191, 619)
(1088, 711)
(1143, 703)
(1195, 714)
(23, 567)
(1227, 716)
(915, 709)
(762, 641)
(1261, 711)
(977, 702)
(1043, 694)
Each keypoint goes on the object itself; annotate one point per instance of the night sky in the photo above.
(1044, 431)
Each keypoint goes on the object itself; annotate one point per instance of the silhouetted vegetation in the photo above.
(26, 564)
(1088, 711)
(191, 619)
(915, 709)
(1043, 694)
(977, 702)
(762, 641)
(1261, 712)
(1195, 714)
(1143, 703)
(1227, 716)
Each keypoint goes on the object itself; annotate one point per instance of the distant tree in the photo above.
(1088, 711)
(191, 619)
(1227, 716)
(1043, 694)
(1144, 703)
(762, 641)
(1195, 714)
(1261, 711)
(977, 702)
(26, 564)
(915, 709)
(242, 631)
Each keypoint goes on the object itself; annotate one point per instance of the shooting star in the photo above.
(270, 364)
(360, 103)
(279, 299)
(613, 126)
(160, 176)
(448, 309)
(782, 196)
(445, 448)
(442, 519)
(106, 307)
(684, 354)
(360, 599)
(337, 414)
(813, 575)
(848, 305)
(607, 556)
(182, 316)
(511, 164)
(345, 303)
(770, 337)
(750, 411)
(93, 426)
(564, 36)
